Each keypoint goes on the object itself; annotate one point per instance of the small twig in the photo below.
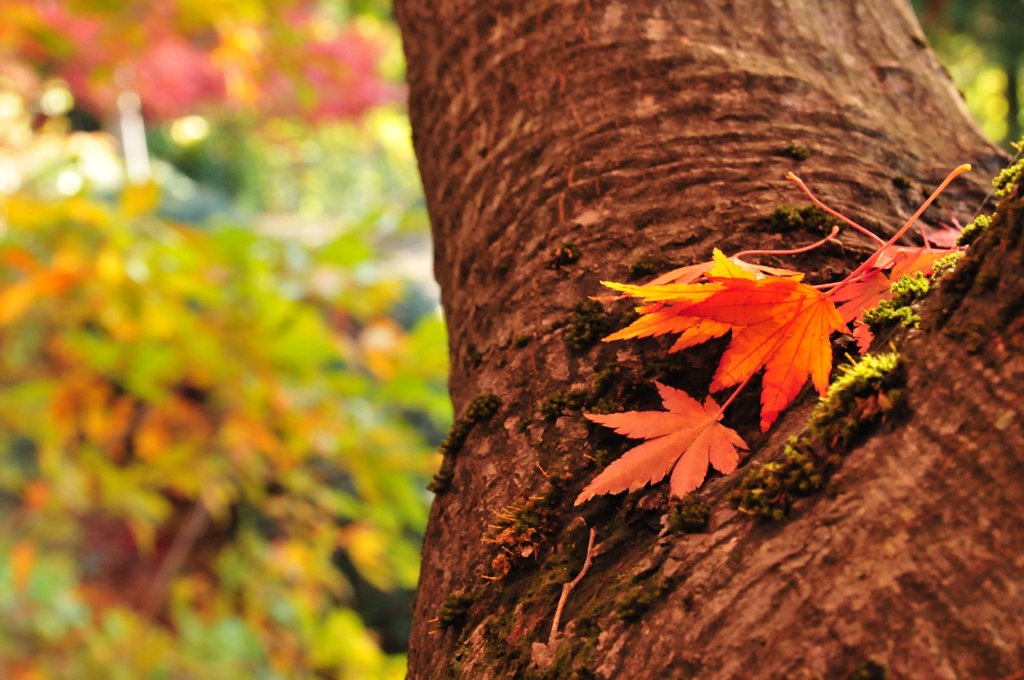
(184, 541)
(567, 588)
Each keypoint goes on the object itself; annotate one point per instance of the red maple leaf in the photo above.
(684, 440)
(778, 324)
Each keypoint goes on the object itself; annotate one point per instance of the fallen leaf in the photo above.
(780, 324)
(944, 236)
(862, 295)
(906, 259)
(863, 335)
(720, 266)
(873, 287)
(684, 440)
(916, 260)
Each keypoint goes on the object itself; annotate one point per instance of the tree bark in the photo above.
(566, 142)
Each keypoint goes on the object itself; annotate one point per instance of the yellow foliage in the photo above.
(186, 439)
(140, 199)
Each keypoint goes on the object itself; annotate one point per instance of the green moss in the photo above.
(945, 266)
(690, 515)
(897, 311)
(565, 254)
(442, 479)
(635, 604)
(973, 230)
(606, 378)
(628, 317)
(473, 357)
(870, 670)
(554, 405)
(522, 341)
(788, 218)
(1006, 180)
(909, 288)
(796, 152)
(901, 182)
(602, 457)
(483, 407)
(887, 316)
(871, 376)
(863, 395)
(988, 277)
(768, 491)
(454, 611)
(456, 437)
(560, 401)
(587, 325)
(645, 266)
(497, 635)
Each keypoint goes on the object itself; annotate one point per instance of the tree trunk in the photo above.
(566, 142)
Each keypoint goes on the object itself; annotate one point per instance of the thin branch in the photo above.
(864, 230)
(184, 541)
(567, 588)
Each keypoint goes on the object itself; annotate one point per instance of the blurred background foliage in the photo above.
(981, 43)
(222, 366)
(222, 370)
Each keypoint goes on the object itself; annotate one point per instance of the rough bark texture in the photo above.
(565, 142)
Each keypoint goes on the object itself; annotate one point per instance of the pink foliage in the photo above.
(343, 78)
(175, 74)
(173, 77)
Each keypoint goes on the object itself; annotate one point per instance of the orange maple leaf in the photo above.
(873, 286)
(661, 318)
(683, 440)
(658, 320)
(720, 265)
(862, 295)
(779, 324)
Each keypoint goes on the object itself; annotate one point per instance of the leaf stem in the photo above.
(778, 343)
(794, 251)
(737, 391)
(835, 284)
(803, 187)
(920, 211)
